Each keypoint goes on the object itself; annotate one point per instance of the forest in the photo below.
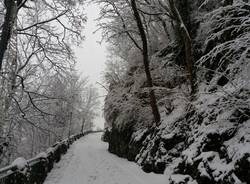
(42, 97)
(177, 81)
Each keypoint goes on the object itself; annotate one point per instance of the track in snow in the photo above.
(89, 162)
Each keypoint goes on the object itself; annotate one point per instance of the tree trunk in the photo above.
(83, 123)
(70, 123)
(157, 117)
(9, 20)
(187, 43)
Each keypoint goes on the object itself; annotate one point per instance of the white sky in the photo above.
(91, 56)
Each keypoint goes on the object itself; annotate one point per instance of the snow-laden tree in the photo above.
(125, 21)
(56, 110)
(146, 27)
(36, 54)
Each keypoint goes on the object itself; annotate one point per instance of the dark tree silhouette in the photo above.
(153, 103)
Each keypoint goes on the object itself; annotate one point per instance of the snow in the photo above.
(139, 134)
(42, 155)
(179, 179)
(89, 162)
(20, 162)
(190, 153)
(168, 136)
(178, 111)
(50, 150)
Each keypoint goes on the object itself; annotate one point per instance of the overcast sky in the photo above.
(91, 56)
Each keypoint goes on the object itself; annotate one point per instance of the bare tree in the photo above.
(187, 42)
(35, 47)
(153, 103)
(129, 24)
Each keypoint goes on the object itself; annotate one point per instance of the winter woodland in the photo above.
(177, 81)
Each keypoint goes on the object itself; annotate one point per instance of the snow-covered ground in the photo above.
(89, 162)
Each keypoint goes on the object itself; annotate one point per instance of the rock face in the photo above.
(120, 143)
(204, 140)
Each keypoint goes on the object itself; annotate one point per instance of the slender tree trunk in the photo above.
(11, 84)
(155, 110)
(9, 20)
(187, 43)
(164, 25)
(83, 123)
(70, 124)
(32, 142)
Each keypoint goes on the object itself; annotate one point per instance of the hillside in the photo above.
(204, 137)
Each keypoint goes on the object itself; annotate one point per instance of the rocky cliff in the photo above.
(203, 139)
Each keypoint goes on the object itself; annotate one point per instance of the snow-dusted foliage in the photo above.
(225, 36)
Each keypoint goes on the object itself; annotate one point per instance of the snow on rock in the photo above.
(20, 163)
(50, 150)
(137, 136)
(212, 166)
(42, 155)
(181, 179)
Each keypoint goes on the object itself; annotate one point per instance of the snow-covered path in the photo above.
(89, 162)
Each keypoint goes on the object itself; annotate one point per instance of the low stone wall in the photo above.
(35, 170)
